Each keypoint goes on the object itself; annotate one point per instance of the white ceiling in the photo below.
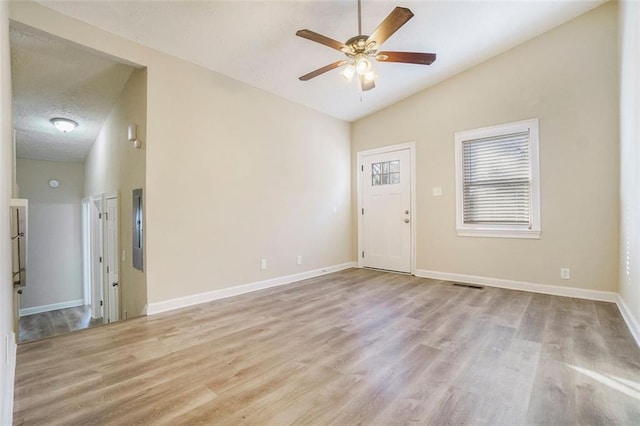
(255, 42)
(56, 78)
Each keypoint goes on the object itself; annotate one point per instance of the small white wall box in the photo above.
(132, 135)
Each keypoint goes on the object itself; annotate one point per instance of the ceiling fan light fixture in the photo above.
(370, 76)
(361, 48)
(64, 124)
(348, 72)
(363, 65)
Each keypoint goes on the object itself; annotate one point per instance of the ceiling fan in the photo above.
(359, 49)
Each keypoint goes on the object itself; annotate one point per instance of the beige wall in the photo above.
(115, 166)
(7, 365)
(55, 231)
(237, 175)
(234, 174)
(630, 159)
(567, 78)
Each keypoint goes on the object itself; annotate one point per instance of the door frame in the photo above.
(411, 146)
(86, 252)
(95, 277)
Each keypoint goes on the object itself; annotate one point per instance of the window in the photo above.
(385, 173)
(497, 183)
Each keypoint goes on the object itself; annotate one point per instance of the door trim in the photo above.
(86, 252)
(411, 146)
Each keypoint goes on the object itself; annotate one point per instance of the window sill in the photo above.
(500, 233)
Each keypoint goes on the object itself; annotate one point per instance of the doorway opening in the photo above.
(79, 181)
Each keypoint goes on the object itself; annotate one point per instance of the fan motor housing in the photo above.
(358, 44)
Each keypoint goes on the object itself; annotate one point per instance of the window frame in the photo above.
(500, 230)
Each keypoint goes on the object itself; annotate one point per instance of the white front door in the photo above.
(386, 210)
(113, 293)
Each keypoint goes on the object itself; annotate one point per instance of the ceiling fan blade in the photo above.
(397, 18)
(407, 57)
(322, 70)
(319, 38)
(366, 85)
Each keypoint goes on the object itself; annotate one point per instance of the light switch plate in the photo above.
(436, 191)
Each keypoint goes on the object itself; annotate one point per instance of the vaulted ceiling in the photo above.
(254, 42)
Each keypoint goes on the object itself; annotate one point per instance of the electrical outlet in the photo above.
(299, 260)
(565, 273)
(263, 264)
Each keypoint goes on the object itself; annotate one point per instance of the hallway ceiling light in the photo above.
(64, 124)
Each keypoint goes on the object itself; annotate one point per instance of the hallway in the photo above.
(55, 323)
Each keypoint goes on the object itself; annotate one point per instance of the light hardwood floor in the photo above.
(354, 347)
(55, 323)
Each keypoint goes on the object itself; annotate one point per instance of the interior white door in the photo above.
(113, 291)
(96, 255)
(386, 210)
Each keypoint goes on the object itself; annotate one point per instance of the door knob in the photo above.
(115, 284)
(406, 220)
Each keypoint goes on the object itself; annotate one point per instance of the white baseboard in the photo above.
(632, 322)
(52, 307)
(183, 302)
(6, 409)
(579, 293)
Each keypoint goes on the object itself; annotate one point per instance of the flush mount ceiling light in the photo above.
(64, 124)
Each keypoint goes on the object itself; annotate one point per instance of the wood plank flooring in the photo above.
(354, 347)
(55, 323)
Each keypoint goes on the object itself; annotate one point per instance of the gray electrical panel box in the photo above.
(137, 251)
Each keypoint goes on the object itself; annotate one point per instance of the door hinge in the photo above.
(100, 259)
(363, 211)
(99, 215)
(363, 254)
(107, 269)
(106, 216)
(101, 303)
(362, 168)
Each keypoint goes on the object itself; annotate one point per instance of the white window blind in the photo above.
(497, 179)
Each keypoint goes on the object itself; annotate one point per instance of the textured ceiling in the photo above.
(56, 78)
(255, 42)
